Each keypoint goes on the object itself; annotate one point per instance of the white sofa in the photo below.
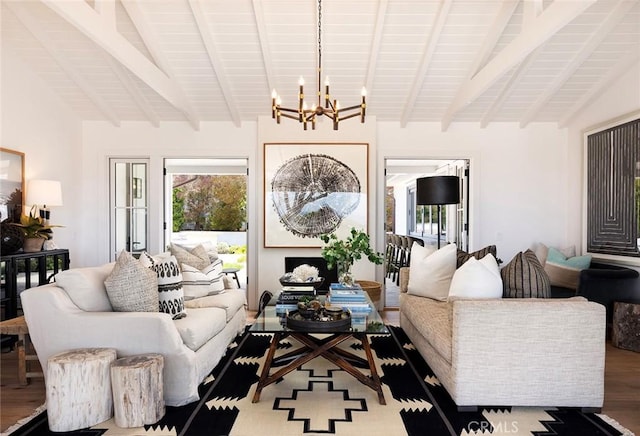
(61, 319)
(511, 351)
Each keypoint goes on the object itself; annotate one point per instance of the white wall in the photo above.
(517, 177)
(35, 122)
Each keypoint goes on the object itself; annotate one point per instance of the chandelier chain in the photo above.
(319, 34)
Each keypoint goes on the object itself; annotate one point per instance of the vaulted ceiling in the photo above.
(443, 61)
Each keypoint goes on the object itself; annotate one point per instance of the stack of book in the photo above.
(288, 300)
(351, 298)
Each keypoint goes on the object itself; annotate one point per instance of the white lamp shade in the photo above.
(44, 193)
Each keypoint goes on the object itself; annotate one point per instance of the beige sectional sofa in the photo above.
(511, 351)
(80, 316)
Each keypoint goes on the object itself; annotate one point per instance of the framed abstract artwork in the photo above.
(12, 186)
(312, 189)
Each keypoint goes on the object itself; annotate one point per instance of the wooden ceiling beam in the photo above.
(374, 50)
(261, 27)
(508, 86)
(427, 55)
(150, 40)
(36, 29)
(553, 18)
(495, 32)
(612, 20)
(133, 90)
(206, 33)
(84, 18)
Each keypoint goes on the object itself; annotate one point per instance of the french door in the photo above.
(129, 206)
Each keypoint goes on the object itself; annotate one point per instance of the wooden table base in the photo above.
(327, 348)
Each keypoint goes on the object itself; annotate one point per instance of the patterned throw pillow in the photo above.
(198, 283)
(169, 289)
(131, 287)
(524, 277)
(197, 257)
(463, 256)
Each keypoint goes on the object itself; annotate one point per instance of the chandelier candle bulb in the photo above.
(274, 96)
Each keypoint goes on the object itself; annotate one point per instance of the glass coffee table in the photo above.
(319, 341)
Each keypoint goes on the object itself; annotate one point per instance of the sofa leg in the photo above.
(591, 409)
(467, 408)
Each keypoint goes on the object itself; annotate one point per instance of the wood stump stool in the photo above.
(138, 394)
(626, 325)
(78, 386)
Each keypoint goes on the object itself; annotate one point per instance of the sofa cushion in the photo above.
(432, 319)
(200, 325)
(431, 272)
(524, 277)
(198, 283)
(85, 287)
(230, 300)
(196, 257)
(564, 271)
(477, 279)
(131, 287)
(462, 256)
(170, 293)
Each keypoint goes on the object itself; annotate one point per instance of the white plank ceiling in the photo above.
(444, 61)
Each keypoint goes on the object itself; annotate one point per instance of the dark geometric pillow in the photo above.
(463, 256)
(524, 277)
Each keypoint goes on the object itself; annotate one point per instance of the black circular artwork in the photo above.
(313, 193)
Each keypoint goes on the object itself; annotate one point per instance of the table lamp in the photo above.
(43, 194)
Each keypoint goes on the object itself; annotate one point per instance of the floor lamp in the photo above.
(437, 190)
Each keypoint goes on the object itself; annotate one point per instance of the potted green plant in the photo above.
(35, 232)
(342, 253)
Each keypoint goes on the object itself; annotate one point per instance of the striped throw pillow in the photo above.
(463, 256)
(198, 283)
(524, 277)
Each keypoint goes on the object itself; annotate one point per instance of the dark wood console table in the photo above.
(47, 264)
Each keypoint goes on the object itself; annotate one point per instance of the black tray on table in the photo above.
(296, 321)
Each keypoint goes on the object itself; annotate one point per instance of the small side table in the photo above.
(234, 272)
(18, 326)
(626, 325)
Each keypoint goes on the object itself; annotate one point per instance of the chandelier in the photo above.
(331, 109)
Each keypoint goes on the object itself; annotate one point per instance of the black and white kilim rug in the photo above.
(319, 398)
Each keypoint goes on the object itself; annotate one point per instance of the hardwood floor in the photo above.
(622, 386)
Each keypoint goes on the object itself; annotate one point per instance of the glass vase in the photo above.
(345, 276)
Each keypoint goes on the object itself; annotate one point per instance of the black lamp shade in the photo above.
(438, 190)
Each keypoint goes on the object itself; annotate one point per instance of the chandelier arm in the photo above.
(342, 118)
(288, 110)
(357, 106)
(291, 116)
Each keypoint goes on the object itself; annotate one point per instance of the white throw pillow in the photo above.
(477, 279)
(430, 274)
(196, 283)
